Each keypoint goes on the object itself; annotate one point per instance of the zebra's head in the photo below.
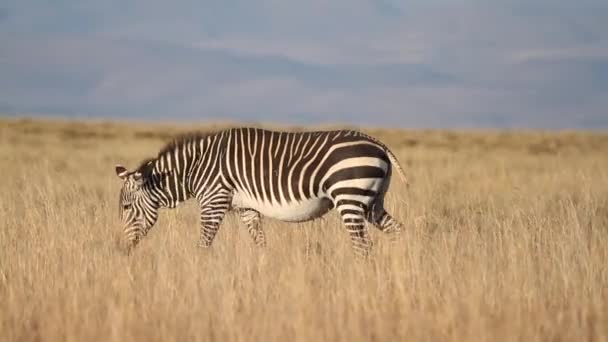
(137, 210)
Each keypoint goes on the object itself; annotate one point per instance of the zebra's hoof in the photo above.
(395, 237)
(204, 244)
(260, 244)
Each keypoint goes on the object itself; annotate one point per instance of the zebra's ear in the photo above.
(121, 171)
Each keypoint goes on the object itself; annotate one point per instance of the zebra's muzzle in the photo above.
(131, 238)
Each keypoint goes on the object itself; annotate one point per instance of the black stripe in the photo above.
(241, 158)
(353, 191)
(351, 212)
(255, 146)
(224, 151)
(354, 173)
(274, 174)
(351, 202)
(249, 163)
(283, 139)
(267, 171)
(238, 159)
(296, 163)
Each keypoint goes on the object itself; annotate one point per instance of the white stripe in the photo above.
(361, 183)
(354, 162)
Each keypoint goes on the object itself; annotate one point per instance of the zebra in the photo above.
(289, 176)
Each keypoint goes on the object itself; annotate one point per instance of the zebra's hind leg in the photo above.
(381, 219)
(386, 224)
(251, 218)
(353, 219)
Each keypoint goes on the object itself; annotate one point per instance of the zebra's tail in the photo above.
(397, 166)
(392, 158)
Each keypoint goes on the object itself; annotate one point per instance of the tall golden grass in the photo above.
(506, 238)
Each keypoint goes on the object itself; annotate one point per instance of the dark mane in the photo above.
(181, 139)
(145, 167)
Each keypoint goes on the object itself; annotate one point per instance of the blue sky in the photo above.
(425, 63)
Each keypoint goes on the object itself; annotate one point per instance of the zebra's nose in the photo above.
(129, 249)
(126, 244)
(123, 246)
(129, 246)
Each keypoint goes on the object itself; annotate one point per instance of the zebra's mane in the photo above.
(181, 140)
(178, 141)
(146, 166)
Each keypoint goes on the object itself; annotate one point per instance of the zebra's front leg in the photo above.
(251, 218)
(212, 214)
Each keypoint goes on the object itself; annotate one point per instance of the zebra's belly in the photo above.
(291, 212)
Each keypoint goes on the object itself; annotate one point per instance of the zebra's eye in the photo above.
(126, 206)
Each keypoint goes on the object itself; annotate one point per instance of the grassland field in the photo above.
(506, 239)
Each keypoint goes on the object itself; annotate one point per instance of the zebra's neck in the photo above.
(184, 170)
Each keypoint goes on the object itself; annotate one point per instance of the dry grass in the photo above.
(506, 239)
